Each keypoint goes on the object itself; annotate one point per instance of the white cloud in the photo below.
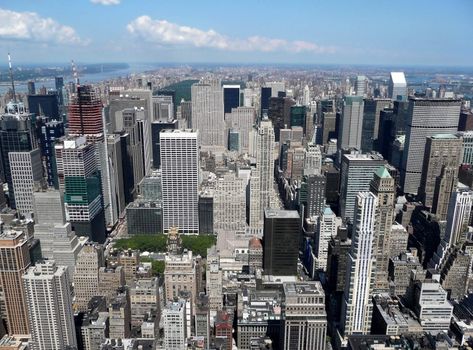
(30, 26)
(164, 32)
(105, 2)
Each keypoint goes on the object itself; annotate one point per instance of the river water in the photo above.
(22, 87)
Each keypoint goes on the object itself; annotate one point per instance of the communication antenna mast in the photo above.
(74, 73)
(11, 77)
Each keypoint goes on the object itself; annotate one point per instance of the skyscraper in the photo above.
(383, 187)
(85, 113)
(361, 87)
(459, 212)
(48, 294)
(44, 105)
(136, 150)
(231, 97)
(426, 117)
(371, 116)
(80, 179)
(441, 160)
(242, 119)
(86, 276)
(207, 114)
(180, 178)
(328, 224)
(281, 242)
(229, 215)
(156, 128)
(357, 171)
(50, 132)
(304, 318)
(397, 88)
(14, 261)
(58, 241)
(359, 283)
(174, 323)
(351, 123)
(262, 178)
(16, 135)
(27, 176)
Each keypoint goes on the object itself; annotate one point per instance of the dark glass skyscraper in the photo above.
(231, 97)
(16, 135)
(265, 96)
(49, 133)
(156, 128)
(46, 105)
(281, 242)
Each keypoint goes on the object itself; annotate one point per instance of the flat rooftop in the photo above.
(280, 213)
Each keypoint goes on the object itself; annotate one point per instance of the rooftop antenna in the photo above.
(74, 73)
(79, 99)
(11, 77)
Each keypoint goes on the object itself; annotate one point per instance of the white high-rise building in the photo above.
(357, 171)
(361, 85)
(426, 117)
(26, 171)
(359, 283)
(229, 206)
(262, 178)
(397, 88)
(180, 180)
(327, 228)
(458, 218)
(58, 241)
(242, 120)
(208, 115)
(174, 322)
(306, 99)
(432, 306)
(351, 125)
(48, 294)
(312, 159)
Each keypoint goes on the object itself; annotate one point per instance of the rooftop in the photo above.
(383, 173)
(398, 78)
(305, 288)
(444, 137)
(280, 213)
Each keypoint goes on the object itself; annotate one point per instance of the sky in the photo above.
(381, 32)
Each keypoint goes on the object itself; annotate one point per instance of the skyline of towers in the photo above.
(222, 195)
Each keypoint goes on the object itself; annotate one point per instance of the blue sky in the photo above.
(402, 32)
